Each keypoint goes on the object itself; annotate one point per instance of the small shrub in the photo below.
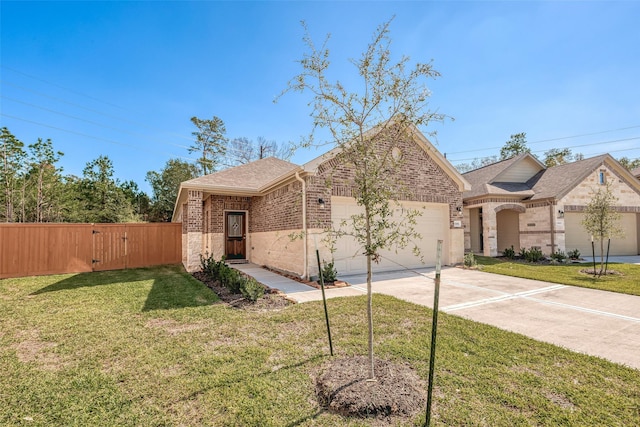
(534, 255)
(207, 265)
(509, 253)
(212, 268)
(558, 256)
(329, 272)
(574, 254)
(470, 260)
(523, 253)
(251, 289)
(232, 279)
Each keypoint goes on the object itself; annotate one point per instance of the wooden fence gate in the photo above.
(39, 249)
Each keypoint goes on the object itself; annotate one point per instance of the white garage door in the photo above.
(577, 238)
(433, 225)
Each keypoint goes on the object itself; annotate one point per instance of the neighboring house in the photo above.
(636, 172)
(273, 213)
(520, 203)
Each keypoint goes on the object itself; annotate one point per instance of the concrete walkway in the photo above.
(626, 259)
(272, 280)
(599, 323)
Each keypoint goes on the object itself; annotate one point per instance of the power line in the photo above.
(111, 116)
(570, 146)
(111, 141)
(91, 122)
(59, 86)
(550, 140)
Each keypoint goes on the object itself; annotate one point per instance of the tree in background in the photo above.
(139, 200)
(392, 97)
(210, 143)
(103, 198)
(477, 163)
(557, 156)
(601, 220)
(12, 156)
(165, 185)
(517, 144)
(243, 150)
(45, 181)
(628, 163)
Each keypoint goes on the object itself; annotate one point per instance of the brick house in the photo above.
(520, 203)
(273, 213)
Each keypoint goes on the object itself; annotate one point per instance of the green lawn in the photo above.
(151, 347)
(628, 282)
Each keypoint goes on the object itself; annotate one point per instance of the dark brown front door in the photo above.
(235, 235)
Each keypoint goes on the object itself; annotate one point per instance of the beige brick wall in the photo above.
(277, 249)
(192, 230)
(535, 227)
(582, 193)
(456, 246)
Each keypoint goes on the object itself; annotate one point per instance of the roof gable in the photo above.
(520, 171)
(420, 140)
(493, 178)
(554, 182)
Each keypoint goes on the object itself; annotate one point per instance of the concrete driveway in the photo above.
(599, 323)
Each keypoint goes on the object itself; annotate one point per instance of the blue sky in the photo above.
(123, 78)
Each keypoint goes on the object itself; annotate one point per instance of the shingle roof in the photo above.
(481, 177)
(636, 172)
(556, 181)
(548, 183)
(252, 176)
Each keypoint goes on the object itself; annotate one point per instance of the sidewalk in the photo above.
(296, 291)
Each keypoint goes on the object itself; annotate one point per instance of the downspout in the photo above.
(553, 226)
(304, 224)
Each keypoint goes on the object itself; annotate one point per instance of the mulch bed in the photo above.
(336, 284)
(398, 392)
(597, 272)
(272, 300)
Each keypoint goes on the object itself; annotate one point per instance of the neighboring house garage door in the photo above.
(432, 225)
(577, 238)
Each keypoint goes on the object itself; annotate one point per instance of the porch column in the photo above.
(489, 232)
(194, 230)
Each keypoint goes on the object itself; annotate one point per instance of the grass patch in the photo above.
(154, 347)
(628, 282)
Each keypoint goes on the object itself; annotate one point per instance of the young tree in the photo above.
(601, 220)
(12, 157)
(517, 144)
(391, 97)
(165, 185)
(210, 143)
(557, 156)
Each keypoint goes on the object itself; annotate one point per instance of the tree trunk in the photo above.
(372, 374)
(601, 255)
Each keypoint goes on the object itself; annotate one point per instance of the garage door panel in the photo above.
(432, 225)
(576, 236)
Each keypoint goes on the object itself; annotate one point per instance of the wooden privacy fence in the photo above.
(39, 249)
